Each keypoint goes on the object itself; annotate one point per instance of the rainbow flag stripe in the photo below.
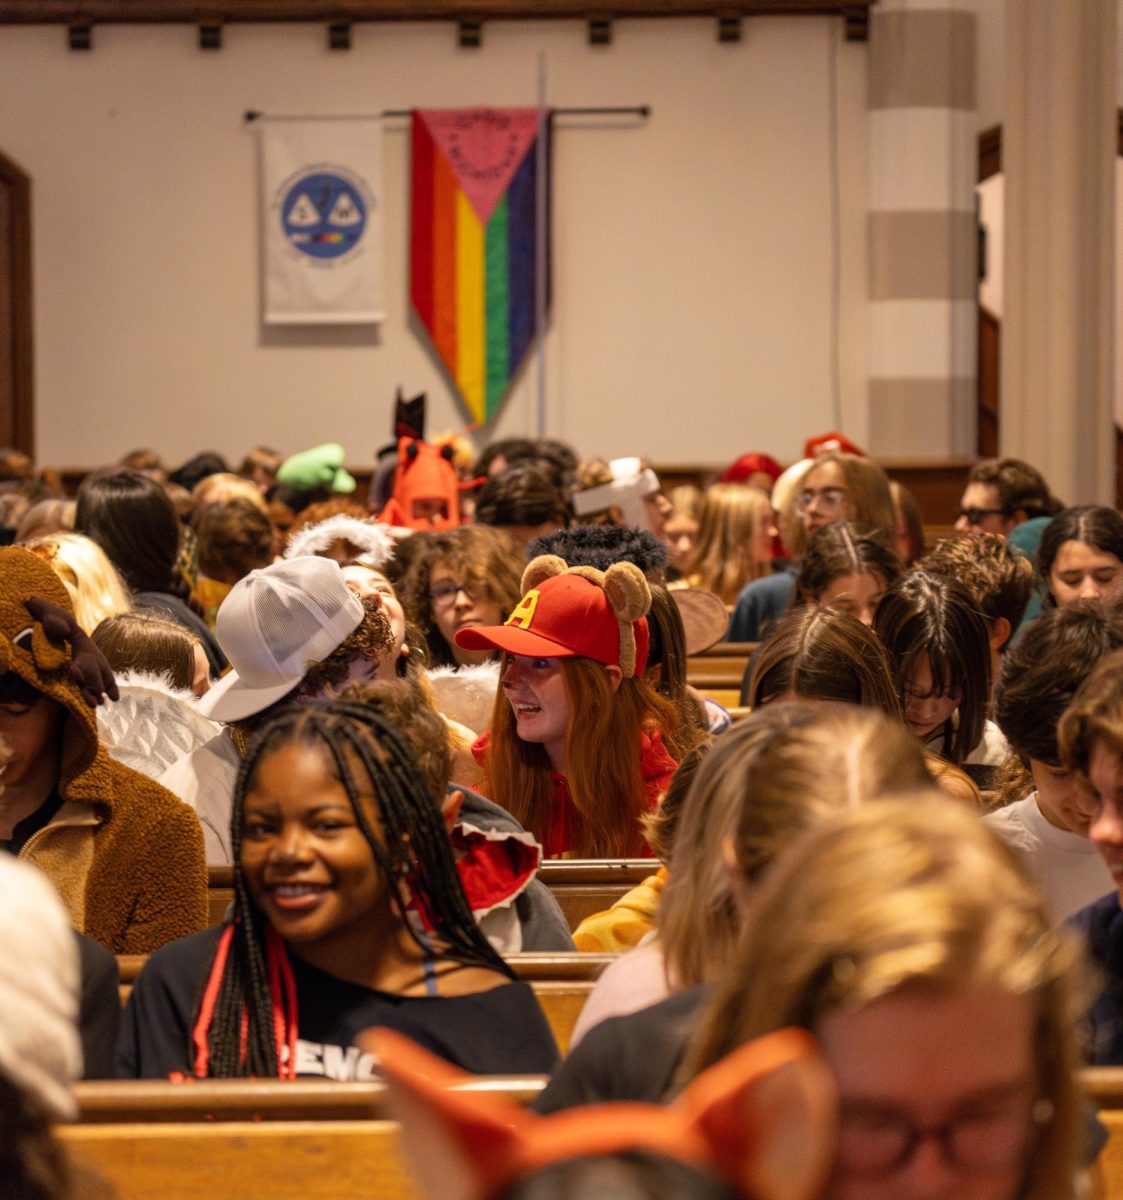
(472, 244)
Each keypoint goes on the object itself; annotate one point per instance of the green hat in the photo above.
(322, 466)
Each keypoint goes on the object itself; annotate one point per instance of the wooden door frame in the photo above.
(18, 185)
(990, 163)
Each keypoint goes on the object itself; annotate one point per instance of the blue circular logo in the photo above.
(323, 214)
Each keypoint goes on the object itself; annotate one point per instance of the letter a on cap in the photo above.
(524, 611)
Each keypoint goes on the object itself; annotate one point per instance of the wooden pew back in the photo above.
(247, 1140)
(581, 886)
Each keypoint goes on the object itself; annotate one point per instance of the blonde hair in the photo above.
(731, 516)
(686, 501)
(772, 774)
(92, 582)
(225, 485)
(914, 894)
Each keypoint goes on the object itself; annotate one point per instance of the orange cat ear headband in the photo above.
(762, 1119)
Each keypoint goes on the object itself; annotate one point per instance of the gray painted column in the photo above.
(922, 228)
(1058, 152)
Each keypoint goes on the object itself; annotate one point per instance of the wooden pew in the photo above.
(586, 886)
(242, 1140)
(1104, 1089)
(561, 983)
(250, 1140)
(718, 672)
(581, 886)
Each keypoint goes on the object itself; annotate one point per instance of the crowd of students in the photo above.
(383, 714)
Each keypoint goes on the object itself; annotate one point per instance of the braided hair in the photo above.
(247, 1013)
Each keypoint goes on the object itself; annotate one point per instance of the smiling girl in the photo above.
(575, 751)
(348, 913)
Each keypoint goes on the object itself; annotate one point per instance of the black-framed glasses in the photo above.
(445, 594)
(877, 1140)
(974, 516)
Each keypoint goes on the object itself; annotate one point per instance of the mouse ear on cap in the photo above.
(539, 569)
(627, 591)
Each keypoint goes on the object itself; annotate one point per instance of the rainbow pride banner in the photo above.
(472, 243)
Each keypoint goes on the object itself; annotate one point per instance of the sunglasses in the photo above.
(974, 516)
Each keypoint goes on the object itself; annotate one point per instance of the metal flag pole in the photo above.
(540, 244)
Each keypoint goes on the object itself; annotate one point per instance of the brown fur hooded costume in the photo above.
(125, 855)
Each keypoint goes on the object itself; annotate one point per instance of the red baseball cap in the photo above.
(567, 616)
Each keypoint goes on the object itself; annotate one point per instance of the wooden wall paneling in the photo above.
(16, 373)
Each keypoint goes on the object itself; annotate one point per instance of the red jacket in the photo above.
(562, 831)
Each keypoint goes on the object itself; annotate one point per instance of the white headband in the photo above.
(631, 483)
(374, 539)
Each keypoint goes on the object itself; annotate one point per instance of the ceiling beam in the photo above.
(86, 12)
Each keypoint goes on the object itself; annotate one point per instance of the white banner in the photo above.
(322, 205)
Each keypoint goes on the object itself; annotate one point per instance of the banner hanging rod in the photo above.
(642, 111)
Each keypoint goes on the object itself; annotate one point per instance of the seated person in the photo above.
(940, 655)
(905, 938)
(576, 747)
(1090, 736)
(294, 630)
(463, 577)
(133, 520)
(125, 855)
(161, 672)
(1044, 807)
(348, 913)
(775, 773)
(496, 859)
(835, 487)
(1081, 555)
(820, 654)
(40, 1049)
(999, 579)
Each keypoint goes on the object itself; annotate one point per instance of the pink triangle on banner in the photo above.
(485, 147)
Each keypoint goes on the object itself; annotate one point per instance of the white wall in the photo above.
(693, 253)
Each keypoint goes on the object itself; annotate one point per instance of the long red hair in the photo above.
(602, 760)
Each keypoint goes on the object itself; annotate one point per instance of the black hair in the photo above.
(413, 853)
(1091, 524)
(34, 1164)
(1021, 486)
(134, 521)
(197, 468)
(522, 495)
(512, 449)
(602, 545)
(14, 690)
(926, 614)
(1043, 669)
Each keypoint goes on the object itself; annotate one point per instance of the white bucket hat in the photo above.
(275, 624)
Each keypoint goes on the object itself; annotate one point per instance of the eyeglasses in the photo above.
(444, 594)
(974, 516)
(878, 1141)
(830, 499)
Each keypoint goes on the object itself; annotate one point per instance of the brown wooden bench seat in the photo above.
(582, 886)
(315, 1141)
(151, 1101)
